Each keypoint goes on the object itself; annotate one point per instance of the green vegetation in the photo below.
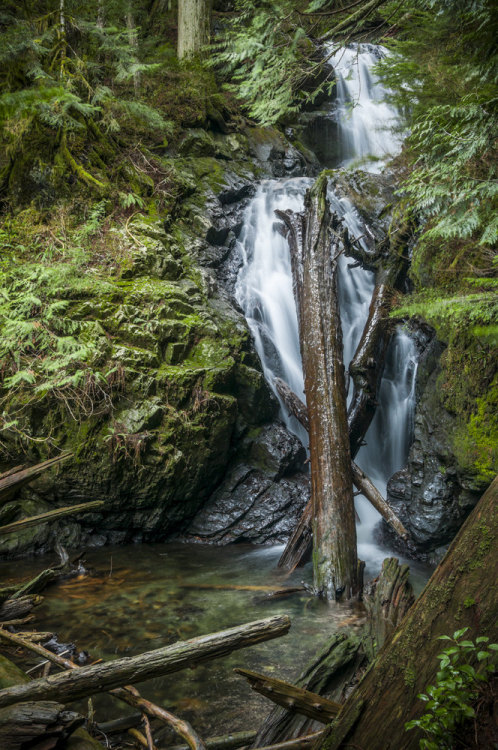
(450, 702)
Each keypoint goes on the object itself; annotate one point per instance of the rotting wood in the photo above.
(314, 260)
(51, 515)
(230, 741)
(308, 742)
(387, 599)
(292, 697)
(29, 723)
(99, 678)
(16, 608)
(332, 667)
(14, 479)
(127, 694)
(408, 663)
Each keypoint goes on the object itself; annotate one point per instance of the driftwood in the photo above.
(31, 722)
(314, 270)
(334, 665)
(292, 697)
(128, 694)
(224, 742)
(51, 515)
(387, 599)
(374, 717)
(99, 678)
(360, 479)
(14, 479)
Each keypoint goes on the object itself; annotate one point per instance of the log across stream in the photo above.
(143, 597)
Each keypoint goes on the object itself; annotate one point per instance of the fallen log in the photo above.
(314, 261)
(360, 479)
(333, 666)
(51, 515)
(292, 697)
(16, 608)
(409, 663)
(121, 725)
(14, 479)
(99, 678)
(30, 722)
(127, 694)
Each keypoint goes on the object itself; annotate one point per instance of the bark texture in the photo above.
(99, 678)
(315, 247)
(31, 723)
(194, 18)
(461, 593)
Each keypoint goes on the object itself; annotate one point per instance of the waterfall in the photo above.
(264, 286)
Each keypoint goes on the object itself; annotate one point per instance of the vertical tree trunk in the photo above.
(461, 593)
(194, 20)
(314, 268)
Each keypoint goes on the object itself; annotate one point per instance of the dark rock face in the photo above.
(431, 495)
(261, 499)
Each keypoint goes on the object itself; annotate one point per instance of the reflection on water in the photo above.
(139, 598)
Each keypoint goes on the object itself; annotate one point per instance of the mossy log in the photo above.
(315, 248)
(461, 593)
(98, 678)
(51, 515)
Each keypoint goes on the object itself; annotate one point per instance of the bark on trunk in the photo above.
(194, 20)
(374, 716)
(98, 678)
(314, 270)
(387, 599)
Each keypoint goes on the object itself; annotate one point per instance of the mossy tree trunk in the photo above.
(194, 21)
(315, 248)
(461, 593)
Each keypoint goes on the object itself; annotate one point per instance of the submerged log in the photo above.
(292, 697)
(14, 479)
(51, 515)
(99, 678)
(387, 599)
(360, 479)
(33, 723)
(333, 666)
(374, 717)
(314, 270)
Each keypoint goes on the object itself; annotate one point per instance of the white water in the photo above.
(264, 289)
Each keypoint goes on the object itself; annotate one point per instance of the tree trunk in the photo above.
(314, 270)
(194, 21)
(99, 678)
(461, 593)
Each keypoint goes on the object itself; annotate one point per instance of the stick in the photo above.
(300, 743)
(100, 678)
(224, 742)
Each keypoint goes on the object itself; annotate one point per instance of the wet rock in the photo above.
(431, 495)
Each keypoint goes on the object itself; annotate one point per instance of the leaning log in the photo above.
(98, 678)
(292, 697)
(360, 479)
(374, 717)
(51, 515)
(314, 260)
(367, 365)
(14, 479)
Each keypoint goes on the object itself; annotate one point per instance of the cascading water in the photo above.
(264, 286)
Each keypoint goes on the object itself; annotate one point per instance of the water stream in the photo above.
(264, 288)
